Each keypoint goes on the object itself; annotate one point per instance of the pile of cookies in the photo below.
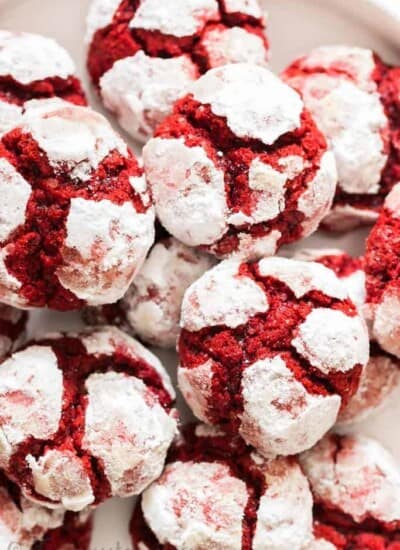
(182, 249)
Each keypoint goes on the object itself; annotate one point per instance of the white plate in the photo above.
(295, 27)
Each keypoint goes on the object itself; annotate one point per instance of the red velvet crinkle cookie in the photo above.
(271, 350)
(76, 221)
(383, 275)
(152, 306)
(25, 525)
(381, 376)
(33, 67)
(240, 167)
(217, 493)
(94, 421)
(143, 54)
(356, 487)
(12, 328)
(354, 98)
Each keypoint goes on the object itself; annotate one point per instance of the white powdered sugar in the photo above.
(268, 188)
(333, 341)
(22, 526)
(247, 7)
(10, 116)
(9, 285)
(379, 380)
(107, 339)
(178, 18)
(252, 248)
(196, 387)
(264, 109)
(100, 15)
(188, 190)
(392, 201)
(355, 475)
(141, 90)
(31, 392)
(30, 57)
(222, 297)
(105, 246)
(279, 416)
(197, 505)
(356, 64)
(60, 476)
(153, 301)
(320, 544)
(354, 282)
(234, 45)
(386, 324)
(127, 429)
(303, 277)
(15, 192)
(76, 138)
(316, 201)
(284, 515)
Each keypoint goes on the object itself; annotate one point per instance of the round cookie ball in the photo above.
(350, 92)
(381, 376)
(12, 328)
(382, 259)
(217, 493)
(356, 488)
(33, 67)
(76, 221)
(152, 306)
(240, 168)
(94, 421)
(142, 56)
(271, 350)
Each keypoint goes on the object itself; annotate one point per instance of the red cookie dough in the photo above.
(144, 54)
(12, 328)
(217, 493)
(271, 350)
(76, 221)
(383, 275)
(356, 487)
(240, 167)
(25, 525)
(84, 417)
(152, 306)
(354, 98)
(33, 67)
(381, 376)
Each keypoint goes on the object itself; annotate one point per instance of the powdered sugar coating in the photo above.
(113, 396)
(10, 116)
(276, 374)
(60, 477)
(338, 467)
(153, 302)
(119, 404)
(15, 192)
(234, 45)
(141, 89)
(205, 303)
(344, 217)
(24, 523)
(29, 381)
(177, 17)
(284, 514)
(125, 237)
(31, 57)
(319, 336)
(264, 109)
(386, 323)
(192, 212)
(303, 277)
(213, 519)
(100, 15)
(339, 86)
(248, 7)
(279, 415)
